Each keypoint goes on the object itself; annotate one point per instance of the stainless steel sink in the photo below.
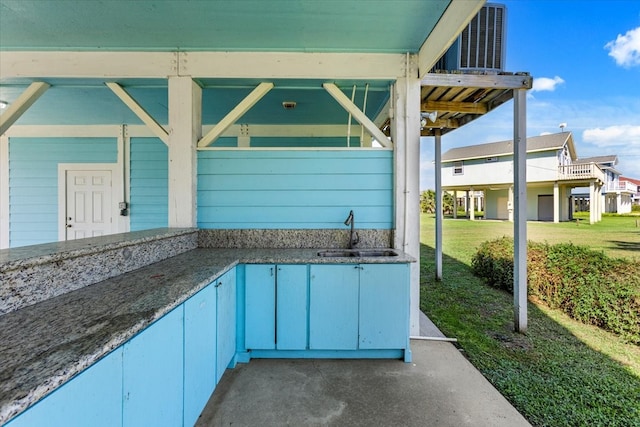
(360, 253)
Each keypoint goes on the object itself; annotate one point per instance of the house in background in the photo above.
(616, 192)
(633, 184)
(553, 170)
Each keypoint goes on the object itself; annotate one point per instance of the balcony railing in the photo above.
(580, 171)
(622, 186)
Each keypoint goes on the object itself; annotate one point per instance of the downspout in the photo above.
(353, 96)
(364, 111)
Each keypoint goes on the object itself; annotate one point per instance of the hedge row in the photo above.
(586, 284)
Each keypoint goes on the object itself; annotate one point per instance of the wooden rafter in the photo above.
(142, 114)
(455, 107)
(22, 104)
(346, 103)
(233, 115)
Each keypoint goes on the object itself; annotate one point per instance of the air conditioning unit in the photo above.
(481, 45)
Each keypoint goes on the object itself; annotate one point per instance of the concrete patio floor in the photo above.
(438, 388)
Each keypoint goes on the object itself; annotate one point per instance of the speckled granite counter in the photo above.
(36, 273)
(45, 344)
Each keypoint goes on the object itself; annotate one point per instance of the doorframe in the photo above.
(119, 224)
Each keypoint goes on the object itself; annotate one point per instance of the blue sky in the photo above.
(584, 57)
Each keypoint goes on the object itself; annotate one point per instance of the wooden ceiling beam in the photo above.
(454, 107)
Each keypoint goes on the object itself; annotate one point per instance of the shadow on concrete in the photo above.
(455, 294)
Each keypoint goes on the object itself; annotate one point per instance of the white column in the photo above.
(601, 205)
(556, 203)
(520, 216)
(455, 204)
(185, 129)
(593, 203)
(406, 140)
(510, 204)
(438, 172)
(466, 202)
(472, 206)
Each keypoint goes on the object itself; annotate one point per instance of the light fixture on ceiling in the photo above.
(3, 105)
(289, 105)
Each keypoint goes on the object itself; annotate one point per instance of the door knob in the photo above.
(68, 225)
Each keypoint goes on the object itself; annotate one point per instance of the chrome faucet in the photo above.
(353, 237)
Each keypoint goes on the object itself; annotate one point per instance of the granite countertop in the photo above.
(46, 344)
(43, 253)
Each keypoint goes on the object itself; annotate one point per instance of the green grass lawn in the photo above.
(561, 373)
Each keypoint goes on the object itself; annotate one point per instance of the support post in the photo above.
(185, 106)
(455, 204)
(520, 222)
(438, 172)
(556, 203)
(406, 136)
(472, 205)
(510, 204)
(593, 202)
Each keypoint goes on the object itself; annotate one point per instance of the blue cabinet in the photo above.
(333, 307)
(276, 307)
(260, 306)
(163, 376)
(359, 307)
(292, 300)
(153, 374)
(384, 306)
(92, 398)
(226, 322)
(200, 326)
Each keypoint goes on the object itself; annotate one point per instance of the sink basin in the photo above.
(362, 253)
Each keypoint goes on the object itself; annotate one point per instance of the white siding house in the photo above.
(616, 192)
(552, 171)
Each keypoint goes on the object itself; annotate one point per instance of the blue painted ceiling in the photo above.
(219, 25)
(381, 26)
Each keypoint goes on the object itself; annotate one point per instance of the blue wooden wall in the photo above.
(33, 181)
(294, 189)
(149, 184)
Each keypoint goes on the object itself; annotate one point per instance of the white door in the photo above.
(502, 205)
(88, 203)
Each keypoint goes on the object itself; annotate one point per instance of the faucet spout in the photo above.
(353, 236)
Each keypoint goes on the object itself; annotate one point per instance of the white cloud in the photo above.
(611, 136)
(625, 49)
(541, 84)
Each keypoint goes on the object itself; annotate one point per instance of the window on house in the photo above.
(457, 168)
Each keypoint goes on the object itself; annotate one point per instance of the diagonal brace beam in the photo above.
(357, 114)
(233, 115)
(142, 114)
(21, 105)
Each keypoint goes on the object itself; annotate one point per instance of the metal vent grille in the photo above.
(482, 42)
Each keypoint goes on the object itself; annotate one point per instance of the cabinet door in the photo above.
(291, 312)
(199, 352)
(93, 398)
(260, 307)
(333, 307)
(226, 327)
(153, 375)
(384, 306)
